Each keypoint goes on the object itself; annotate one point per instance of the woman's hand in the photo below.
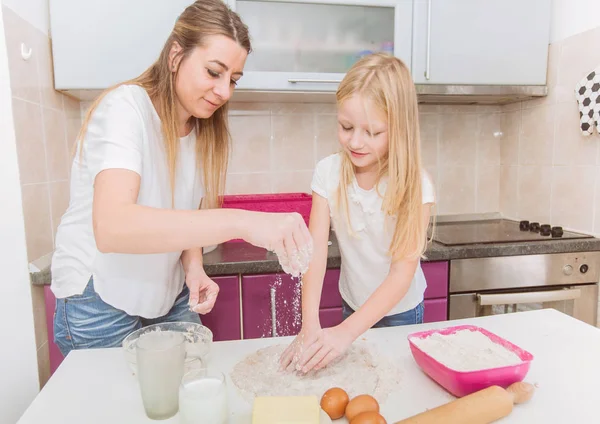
(292, 354)
(330, 343)
(285, 234)
(203, 292)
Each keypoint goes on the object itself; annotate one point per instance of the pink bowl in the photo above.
(462, 383)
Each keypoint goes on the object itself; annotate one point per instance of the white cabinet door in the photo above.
(97, 44)
(309, 45)
(481, 41)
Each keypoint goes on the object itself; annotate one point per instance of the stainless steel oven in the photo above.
(567, 282)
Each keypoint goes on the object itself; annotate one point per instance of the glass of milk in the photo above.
(203, 397)
(160, 359)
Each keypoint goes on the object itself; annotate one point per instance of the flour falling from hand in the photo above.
(359, 371)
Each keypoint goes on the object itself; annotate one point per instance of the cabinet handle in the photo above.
(532, 297)
(428, 57)
(310, 81)
(273, 313)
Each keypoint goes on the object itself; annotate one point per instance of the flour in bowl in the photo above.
(466, 350)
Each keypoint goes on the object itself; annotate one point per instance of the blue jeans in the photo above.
(85, 321)
(413, 316)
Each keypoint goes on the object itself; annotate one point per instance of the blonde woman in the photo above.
(377, 198)
(150, 151)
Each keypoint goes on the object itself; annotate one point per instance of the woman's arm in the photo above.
(122, 226)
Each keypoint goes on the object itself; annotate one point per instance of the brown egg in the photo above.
(369, 417)
(334, 402)
(362, 403)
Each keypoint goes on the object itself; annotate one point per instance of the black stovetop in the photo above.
(494, 231)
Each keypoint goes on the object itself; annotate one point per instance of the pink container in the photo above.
(280, 202)
(462, 383)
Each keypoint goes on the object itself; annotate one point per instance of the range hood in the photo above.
(428, 93)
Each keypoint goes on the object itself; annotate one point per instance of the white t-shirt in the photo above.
(125, 132)
(365, 259)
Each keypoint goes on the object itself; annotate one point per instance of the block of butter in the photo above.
(286, 410)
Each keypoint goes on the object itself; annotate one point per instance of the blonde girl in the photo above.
(377, 198)
(128, 249)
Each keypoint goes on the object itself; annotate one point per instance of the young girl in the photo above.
(377, 198)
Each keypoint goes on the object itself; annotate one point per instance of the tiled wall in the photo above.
(276, 146)
(550, 171)
(46, 124)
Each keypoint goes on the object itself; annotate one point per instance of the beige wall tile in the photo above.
(578, 58)
(537, 136)
(535, 184)
(38, 229)
(73, 116)
(59, 202)
(293, 142)
(456, 189)
(294, 108)
(427, 108)
(50, 97)
(571, 147)
(43, 356)
(509, 185)
(488, 145)
(30, 142)
(292, 182)
(327, 139)
(23, 73)
(39, 315)
(512, 107)
(249, 106)
(458, 139)
(572, 202)
(488, 189)
(597, 205)
(249, 183)
(251, 141)
(58, 157)
(509, 144)
(429, 124)
(459, 109)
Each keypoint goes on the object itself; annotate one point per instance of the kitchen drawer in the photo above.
(436, 275)
(224, 319)
(330, 317)
(436, 310)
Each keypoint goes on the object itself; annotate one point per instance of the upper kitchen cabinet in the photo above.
(481, 42)
(96, 44)
(308, 45)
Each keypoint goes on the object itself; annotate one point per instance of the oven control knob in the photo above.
(567, 270)
(583, 268)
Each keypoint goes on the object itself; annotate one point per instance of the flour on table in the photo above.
(466, 350)
(357, 372)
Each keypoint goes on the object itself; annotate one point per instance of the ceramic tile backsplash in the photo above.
(276, 146)
(46, 124)
(555, 168)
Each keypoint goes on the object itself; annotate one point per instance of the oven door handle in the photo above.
(532, 297)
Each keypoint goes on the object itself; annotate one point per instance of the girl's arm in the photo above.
(312, 281)
(334, 341)
(123, 226)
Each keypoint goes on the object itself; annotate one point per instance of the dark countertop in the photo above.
(243, 258)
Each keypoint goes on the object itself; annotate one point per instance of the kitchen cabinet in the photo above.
(435, 310)
(481, 42)
(225, 320)
(436, 294)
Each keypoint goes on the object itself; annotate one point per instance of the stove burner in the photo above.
(534, 227)
(545, 230)
(524, 225)
(557, 232)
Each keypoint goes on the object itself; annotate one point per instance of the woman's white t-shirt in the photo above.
(125, 132)
(365, 259)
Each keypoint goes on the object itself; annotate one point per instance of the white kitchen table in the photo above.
(97, 386)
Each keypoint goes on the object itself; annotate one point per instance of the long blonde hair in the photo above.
(386, 82)
(198, 21)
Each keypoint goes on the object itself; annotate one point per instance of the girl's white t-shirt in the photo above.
(365, 259)
(125, 132)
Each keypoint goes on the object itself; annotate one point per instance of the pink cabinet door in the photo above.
(270, 296)
(435, 310)
(330, 297)
(330, 317)
(56, 356)
(436, 275)
(224, 319)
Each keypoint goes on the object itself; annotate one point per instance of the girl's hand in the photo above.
(203, 292)
(285, 234)
(292, 354)
(330, 344)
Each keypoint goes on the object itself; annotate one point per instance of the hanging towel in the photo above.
(587, 92)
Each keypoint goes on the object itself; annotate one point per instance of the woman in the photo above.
(150, 151)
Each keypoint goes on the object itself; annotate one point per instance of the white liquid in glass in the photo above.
(203, 401)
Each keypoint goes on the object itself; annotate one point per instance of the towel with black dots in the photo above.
(587, 93)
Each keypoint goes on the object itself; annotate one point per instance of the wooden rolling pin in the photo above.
(482, 407)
